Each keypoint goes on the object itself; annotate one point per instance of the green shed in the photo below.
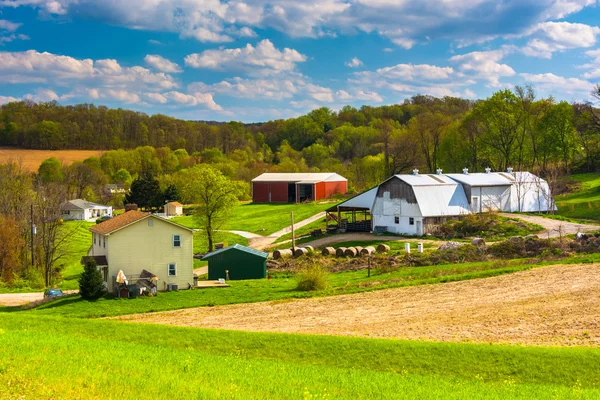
(242, 263)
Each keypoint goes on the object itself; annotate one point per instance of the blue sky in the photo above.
(255, 60)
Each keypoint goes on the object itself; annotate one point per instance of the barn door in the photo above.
(419, 228)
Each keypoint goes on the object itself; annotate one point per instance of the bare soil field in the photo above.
(556, 305)
(32, 159)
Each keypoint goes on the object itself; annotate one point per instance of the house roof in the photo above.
(119, 222)
(80, 204)
(126, 219)
(175, 203)
(100, 260)
(239, 247)
(299, 177)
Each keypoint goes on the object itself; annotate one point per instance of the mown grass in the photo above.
(262, 219)
(584, 203)
(282, 285)
(136, 360)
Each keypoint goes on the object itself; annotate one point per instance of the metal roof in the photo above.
(441, 200)
(80, 204)
(426, 179)
(482, 179)
(245, 249)
(303, 177)
(362, 201)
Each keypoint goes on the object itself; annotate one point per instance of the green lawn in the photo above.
(263, 219)
(77, 247)
(135, 360)
(584, 202)
(283, 284)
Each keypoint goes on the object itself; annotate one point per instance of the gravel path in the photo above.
(555, 305)
(17, 299)
(553, 227)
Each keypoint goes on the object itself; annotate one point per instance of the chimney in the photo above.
(509, 170)
(439, 171)
(466, 171)
(415, 171)
(488, 170)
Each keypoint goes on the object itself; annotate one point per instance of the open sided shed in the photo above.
(237, 261)
(354, 214)
(297, 187)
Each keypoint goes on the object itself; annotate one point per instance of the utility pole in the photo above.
(33, 232)
(293, 238)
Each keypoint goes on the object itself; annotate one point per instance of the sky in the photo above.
(257, 60)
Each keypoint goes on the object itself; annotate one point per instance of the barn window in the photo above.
(172, 269)
(176, 240)
(411, 221)
(396, 220)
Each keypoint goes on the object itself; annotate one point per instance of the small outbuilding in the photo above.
(297, 187)
(83, 210)
(173, 209)
(236, 262)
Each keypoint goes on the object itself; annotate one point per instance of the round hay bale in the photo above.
(351, 252)
(300, 251)
(383, 248)
(278, 254)
(309, 248)
(340, 251)
(328, 251)
(358, 250)
(367, 251)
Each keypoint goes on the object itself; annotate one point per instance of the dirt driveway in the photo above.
(556, 305)
(553, 227)
(17, 299)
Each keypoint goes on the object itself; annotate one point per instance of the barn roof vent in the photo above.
(488, 170)
(439, 171)
(466, 171)
(509, 170)
(415, 171)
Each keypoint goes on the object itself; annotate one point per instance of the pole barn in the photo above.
(297, 187)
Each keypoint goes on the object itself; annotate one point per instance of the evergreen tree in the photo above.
(145, 192)
(172, 193)
(91, 284)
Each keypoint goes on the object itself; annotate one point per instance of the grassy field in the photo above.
(283, 286)
(32, 159)
(134, 360)
(263, 219)
(78, 246)
(583, 203)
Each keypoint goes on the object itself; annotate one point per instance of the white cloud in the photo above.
(359, 95)
(411, 72)
(403, 22)
(485, 65)
(550, 37)
(270, 89)
(265, 58)
(9, 26)
(156, 42)
(558, 84)
(354, 63)
(192, 100)
(7, 99)
(161, 63)
(155, 98)
(43, 95)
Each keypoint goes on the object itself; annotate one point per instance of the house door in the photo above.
(419, 228)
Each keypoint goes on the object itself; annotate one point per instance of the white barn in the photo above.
(415, 204)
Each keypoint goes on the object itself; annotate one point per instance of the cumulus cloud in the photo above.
(161, 63)
(404, 23)
(359, 95)
(7, 32)
(354, 63)
(594, 66)
(553, 83)
(7, 99)
(485, 65)
(265, 58)
(559, 36)
(43, 95)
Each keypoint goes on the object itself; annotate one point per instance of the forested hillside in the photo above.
(511, 128)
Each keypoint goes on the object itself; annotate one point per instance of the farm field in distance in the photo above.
(584, 202)
(33, 158)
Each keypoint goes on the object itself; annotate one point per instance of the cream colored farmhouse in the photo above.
(137, 241)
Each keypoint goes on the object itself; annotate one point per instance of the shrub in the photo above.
(91, 284)
(312, 277)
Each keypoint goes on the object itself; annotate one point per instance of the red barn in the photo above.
(297, 187)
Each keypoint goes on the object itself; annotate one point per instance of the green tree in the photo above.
(91, 284)
(215, 194)
(51, 170)
(145, 192)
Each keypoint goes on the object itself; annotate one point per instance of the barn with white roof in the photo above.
(415, 204)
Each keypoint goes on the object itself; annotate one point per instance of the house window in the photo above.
(172, 269)
(396, 220)
(176, 240)
(104, 241)
(411, 221)
(150, 222)
(94, 238)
